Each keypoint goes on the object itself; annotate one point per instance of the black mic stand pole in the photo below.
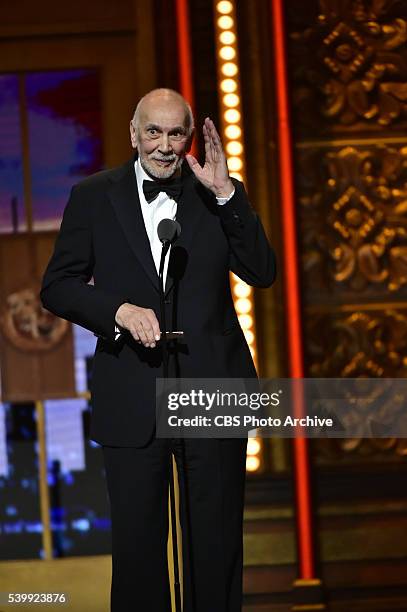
(177, 588)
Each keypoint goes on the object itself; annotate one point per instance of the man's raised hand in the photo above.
(214, 174)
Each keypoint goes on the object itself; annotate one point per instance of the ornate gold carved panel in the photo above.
(353, 220)
(349, 66)
(370, 343)
(361, 343)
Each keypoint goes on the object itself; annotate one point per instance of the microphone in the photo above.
(168, 230)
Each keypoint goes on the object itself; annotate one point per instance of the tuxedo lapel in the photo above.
(126, 203)
(125, 200)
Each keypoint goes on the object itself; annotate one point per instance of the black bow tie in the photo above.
(152, 188)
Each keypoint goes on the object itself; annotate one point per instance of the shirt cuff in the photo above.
(222, 201)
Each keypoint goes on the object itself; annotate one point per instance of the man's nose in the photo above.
(165, 145)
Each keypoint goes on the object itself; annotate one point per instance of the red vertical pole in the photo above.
(185, 55)
(292, 290)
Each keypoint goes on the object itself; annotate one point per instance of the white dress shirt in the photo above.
(162, 207)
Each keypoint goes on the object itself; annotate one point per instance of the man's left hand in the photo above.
(214, 174)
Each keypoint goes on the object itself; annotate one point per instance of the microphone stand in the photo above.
(177, 589)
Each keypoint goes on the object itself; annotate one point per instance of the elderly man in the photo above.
(109, 232)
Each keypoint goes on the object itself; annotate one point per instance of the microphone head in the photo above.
(178, 229)
(168, 230)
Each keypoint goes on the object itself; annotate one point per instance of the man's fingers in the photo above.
(217, 143)
(194, 165)
(148, 330)
(142, 323)
(213, 132)
(142, 334)
(192, 161)
(135, 335)
(214, 139)
(154, 329)
(208, 137)
(208, 145)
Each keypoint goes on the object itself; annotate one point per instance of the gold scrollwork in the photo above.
(360, 345)
(353, 70)
(354, 216)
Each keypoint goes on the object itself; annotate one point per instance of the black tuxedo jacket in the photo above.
(102, 235)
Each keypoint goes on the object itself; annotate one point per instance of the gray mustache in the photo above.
(167, 158)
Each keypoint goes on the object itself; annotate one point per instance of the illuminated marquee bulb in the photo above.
(227, 37)
(243, 305)
(245, 321)
(253, 446)
(228, 85)
(241, 290)
(232, 115)
(227, 52)
(234, 148)
(233, 131)
(234, 163)
(231, 99)
(229, 69)
(224, 7)
(252, 463)
(225, 22)
(249, 335)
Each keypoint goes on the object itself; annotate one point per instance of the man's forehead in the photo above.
(165, 113)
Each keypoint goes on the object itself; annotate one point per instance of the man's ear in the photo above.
(133, 135)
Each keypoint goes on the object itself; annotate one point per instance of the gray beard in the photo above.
(163, 174)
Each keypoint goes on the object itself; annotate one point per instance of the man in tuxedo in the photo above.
(109, 232)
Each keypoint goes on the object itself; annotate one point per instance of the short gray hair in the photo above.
(188, 110)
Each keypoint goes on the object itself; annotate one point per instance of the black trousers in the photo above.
(211, 478)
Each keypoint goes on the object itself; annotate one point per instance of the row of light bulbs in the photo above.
(231, 126)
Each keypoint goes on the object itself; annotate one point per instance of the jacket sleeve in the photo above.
(65, 290)
(251, 257)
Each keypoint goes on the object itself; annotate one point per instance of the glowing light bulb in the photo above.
(252, 463)
(249, 335)
(227, 37)
(243, 305)
(245, 321)
(228, 85)
(233, 131)
(224, 7)
(229, 69)
(231, 99)
(232, 115)
(227, 53)
(234, 163)
(225, 22)
(253, 446)
(234, 148)
(241, 290)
